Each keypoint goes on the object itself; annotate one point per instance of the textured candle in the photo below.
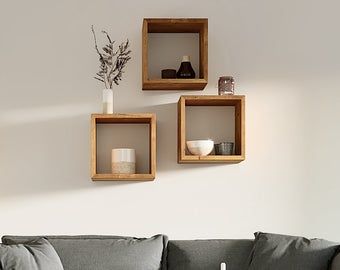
(223, 266)
(123, 160)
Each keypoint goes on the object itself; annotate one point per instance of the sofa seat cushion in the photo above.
(208, 254)
(34, 255)
(104, 252)
(282, 252)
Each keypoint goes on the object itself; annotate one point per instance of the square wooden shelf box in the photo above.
(229, 100)
(143, 118)
(176, 26)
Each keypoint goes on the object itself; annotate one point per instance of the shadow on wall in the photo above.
(167, 139)
(52, 154)
(45, 154)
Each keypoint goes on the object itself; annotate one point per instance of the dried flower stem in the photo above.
(112, 62)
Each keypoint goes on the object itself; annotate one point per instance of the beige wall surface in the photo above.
(285, 58)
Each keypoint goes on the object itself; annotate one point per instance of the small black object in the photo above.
(185, 70)
(168, 74)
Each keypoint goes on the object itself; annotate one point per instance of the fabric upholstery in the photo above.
(335, 263)
(282, 252)
(35, 255)
(208, 254)
(104, 252)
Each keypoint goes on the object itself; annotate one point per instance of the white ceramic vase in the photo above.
(107, 101)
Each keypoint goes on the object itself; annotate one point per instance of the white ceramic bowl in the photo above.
(200, 147)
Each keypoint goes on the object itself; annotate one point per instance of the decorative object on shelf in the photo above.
(123, 161)
(185, 70)
(112, 64)
(168, 74)
(226, 85)
(224, 148)
(107, 101)
(185, 26)
(223, 266)
(200, 147)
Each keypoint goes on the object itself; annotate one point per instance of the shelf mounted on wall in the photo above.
(238, 102)
(142, 118)
(162, 25)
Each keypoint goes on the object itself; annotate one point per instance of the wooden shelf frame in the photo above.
(179, 25)
(143, 118)
(229, 100)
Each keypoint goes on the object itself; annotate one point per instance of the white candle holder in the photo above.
(123, 161)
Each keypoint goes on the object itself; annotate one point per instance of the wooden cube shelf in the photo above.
(238, 102)
(176, 26)
(143, 118)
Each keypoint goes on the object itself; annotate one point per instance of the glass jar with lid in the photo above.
(226, 85)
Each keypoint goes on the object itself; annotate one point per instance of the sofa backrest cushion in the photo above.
(104, 252)
(208, 254)
(282, 252)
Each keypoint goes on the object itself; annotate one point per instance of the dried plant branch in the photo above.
(112, 63)
(99, 79)
(107, 35)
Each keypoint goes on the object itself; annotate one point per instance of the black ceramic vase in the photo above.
(185, 70)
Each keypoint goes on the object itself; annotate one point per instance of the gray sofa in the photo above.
(114, 252)
(160, 253)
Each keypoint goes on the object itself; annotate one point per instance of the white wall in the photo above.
(285, 58)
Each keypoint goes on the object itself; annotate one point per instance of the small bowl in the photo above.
(200, 147)
(224, 148)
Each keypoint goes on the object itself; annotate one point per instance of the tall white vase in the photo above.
(108, 101)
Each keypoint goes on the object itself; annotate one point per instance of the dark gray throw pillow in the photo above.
(283, 252)
(34, 255)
